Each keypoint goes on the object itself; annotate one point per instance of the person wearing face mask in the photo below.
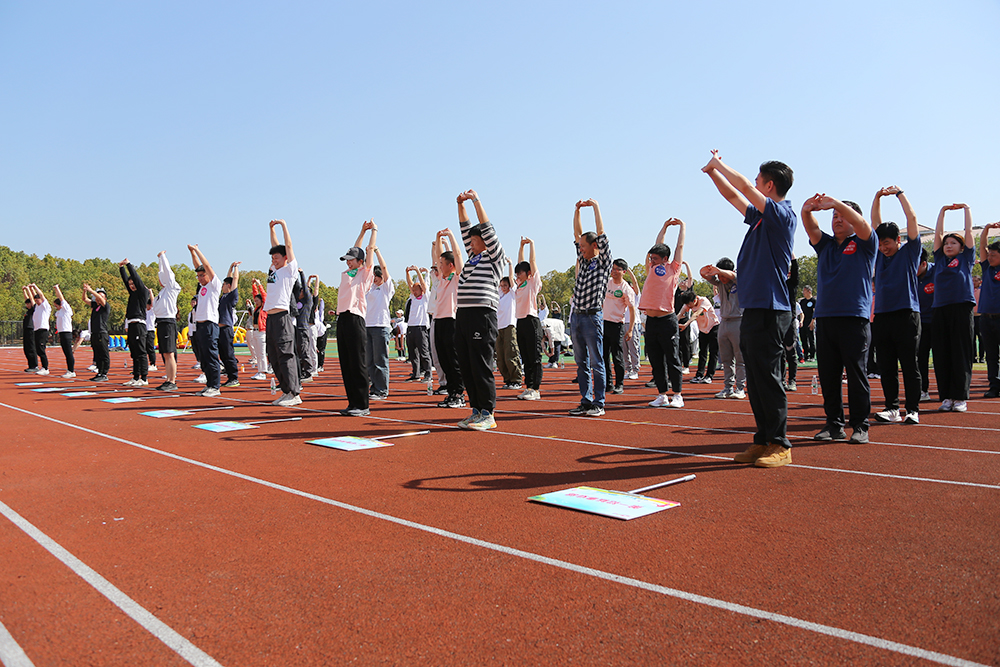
(952, 344)
(352, 338)
(896, 326)
(844, 266)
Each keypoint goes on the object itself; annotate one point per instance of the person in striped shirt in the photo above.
(476, 314)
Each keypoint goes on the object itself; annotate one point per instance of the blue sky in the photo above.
(131, 128)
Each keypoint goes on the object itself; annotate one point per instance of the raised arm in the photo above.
(98, 297)
(36, 291)
(313, 288)
(734, 186)
(199, 260)
(123, 272)
(289, 253)
(420, 279)
(165, 273)
(598, 221)
(968, 226)
(531, 256)
(809, 222)
(370, 249)
(912, 232)
(58, 293)
(939, 227)
(381, 262)
(984, 240)
(234, 273)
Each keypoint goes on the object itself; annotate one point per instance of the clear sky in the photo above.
(133, 127)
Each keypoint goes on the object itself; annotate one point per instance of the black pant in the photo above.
(321, 350)
(661, 350)
(614, 339)
(41, 340)
(761, 342)
(137, 349)
(685, 348)
(444, 343)
(924, 353)
(280, 344)
(897, 335)
(418, 343)
(151, 345)
(808, 341)
(953, 350)
(227, 353)
(475, 343)
(842, 345)
(206, 338)
(529, 341)
(352, 350)
(102, 356)
(28, 344)
(66, 343)
(790, 358)
(990, 329)
(708, 352)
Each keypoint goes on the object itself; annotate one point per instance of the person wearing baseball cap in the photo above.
(352, 337)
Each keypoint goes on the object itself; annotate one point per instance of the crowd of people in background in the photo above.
(881, 306)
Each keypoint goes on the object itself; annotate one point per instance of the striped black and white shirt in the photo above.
(479, 284)
(592, 276)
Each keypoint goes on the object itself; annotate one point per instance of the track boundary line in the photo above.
(11, 653)
(753, 612)
(170, 637)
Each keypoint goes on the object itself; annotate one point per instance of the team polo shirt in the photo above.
(617, 298)
(280, 283)
(661, 283)
(953, 278)
(505, 311)
(592, 276)
(378, 298)
(844, 276)
(207, 309)
(765, 256)
(64, 318)
(40, 318)
(925, 293)
(446, 297)
(526, 297)
(896, 279)
(418, 312)
(227, 307)
(989, 293)
(352, 293)
(708, 318)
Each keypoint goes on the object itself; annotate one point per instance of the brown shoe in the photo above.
(752, 453)
(774, 456)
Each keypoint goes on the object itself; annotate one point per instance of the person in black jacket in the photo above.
(135, 323)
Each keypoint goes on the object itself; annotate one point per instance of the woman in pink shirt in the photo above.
(529, 329)
(448, 258)
(701, 310)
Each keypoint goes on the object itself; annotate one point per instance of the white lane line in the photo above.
(132, 609)
(753, 612)
(11, 653)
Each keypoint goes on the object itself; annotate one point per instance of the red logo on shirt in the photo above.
(953, 264)
(996, 276)
(851, 248)
(929, 288)
(204, 291)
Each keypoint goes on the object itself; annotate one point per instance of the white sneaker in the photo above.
(42, 371)
(677, 401)
(725, 393)
(533, 395)
(661, 401)
(632, 376)
(69, 374)
(92, 368)
(211, 391)
(959, 406)
(946, 405)
(738, 393)
(888, 416)
(320, 370)
(153, 367)
(288, 400)
(258, 376)
(140, 383)
(924, 396)
(130, 383)
(911, 418)
(197, 367)
(201, 379)
(283, 397)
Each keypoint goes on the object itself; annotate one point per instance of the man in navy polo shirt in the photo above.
(896, 327)
(844, 267)
(925, 296)
(989, 307)
(764, 260)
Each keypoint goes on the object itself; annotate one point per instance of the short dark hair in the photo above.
(994, 246)
(522, 267)
(448, 256)
(589, 237)
(476, 230)
(58, 302)
(689, 296)
(377, 271)
(955, 235)
(228, 280)
(660, 250)
(726, 264)
(505, 279)
(620, 263)
(923, 254)
(778, 173)
(887, 230)
(854, 206)
(279, 250)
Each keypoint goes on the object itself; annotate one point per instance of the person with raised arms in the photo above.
(896, 325)
(989, 307)
(100, 312)
(278, 305)
(593, 268)
(378, 328)
(135, 322)
(352, 339)
(257, 335)
(64, 328)
(227, 325)
(619, 299)
(165, 312)
(476, 313)
(448, 259)
(417, 323)
(657, 303)
(952, 344)
(40, 324)
(529, 327)
(734, 376)
(206, 317)
(150, 331)
(764, 259)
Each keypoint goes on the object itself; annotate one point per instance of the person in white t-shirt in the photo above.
(619, 299)
(507, 353)
(207, 318)
(40, 321)
(448, 259)
(417, 323)
(280, 341)
(378, 328)
(528, 283)
(64, 327)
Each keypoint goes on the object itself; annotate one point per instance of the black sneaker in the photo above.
(452, 402)
(411, 378)
(829, 433)
(99, 378)
(167, 386)
(33, 369)
(356, 412)
(378, 397)
(580, 410)
(618, 390)
(651, 384)
(991, 394)
(441, 391)
(232, 383)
